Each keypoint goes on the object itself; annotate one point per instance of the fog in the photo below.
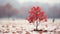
(14, 9)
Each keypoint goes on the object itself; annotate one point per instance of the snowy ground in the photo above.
(18, 26)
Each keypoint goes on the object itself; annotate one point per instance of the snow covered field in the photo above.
(21, 26)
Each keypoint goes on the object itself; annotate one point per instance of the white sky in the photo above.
(41, 1)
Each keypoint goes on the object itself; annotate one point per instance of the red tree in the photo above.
(36, 15)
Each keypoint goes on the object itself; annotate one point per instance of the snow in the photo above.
(23, 26)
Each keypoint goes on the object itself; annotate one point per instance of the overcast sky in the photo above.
(42, 1)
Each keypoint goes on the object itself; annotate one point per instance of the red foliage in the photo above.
(36, 14)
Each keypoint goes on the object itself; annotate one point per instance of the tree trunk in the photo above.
(36, 29)
(36, 25)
